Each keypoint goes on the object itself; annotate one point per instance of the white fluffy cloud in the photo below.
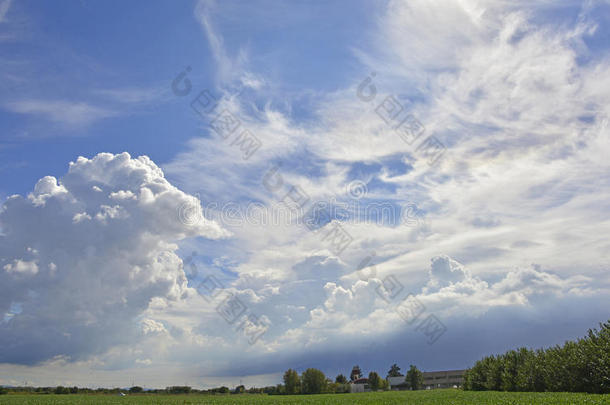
(452, 290)
(366, 307)
(83, 256)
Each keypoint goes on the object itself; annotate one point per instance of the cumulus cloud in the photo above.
(452, 290)
(366, 308)
(83, 256)
(20, 266)
(150, 326)
(444, 270)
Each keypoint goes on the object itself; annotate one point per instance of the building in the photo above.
(397, 383)
(360, 385)
(443, 379)
(432, 379)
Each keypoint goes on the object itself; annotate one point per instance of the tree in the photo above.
(495, 372)
(3, 391)
(596, 349)
(475, 379)
(414, 378)
(291, 381)
(513, 361)
(240, 389)
(313, 381)
(385, 385)
(530, 376)
(374, 381)
(341, 379)
(135, 390)
(356, 373)
(179, 389)
(394, 371)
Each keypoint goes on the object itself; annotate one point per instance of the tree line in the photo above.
(575, 366)
(60, 390)
(311, 381)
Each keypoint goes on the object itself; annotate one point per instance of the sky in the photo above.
(209, 193)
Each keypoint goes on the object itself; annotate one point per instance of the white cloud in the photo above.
(5, 5)
(150, 326)
(93, 263)
(134, 95)
(451, 291)
(68, 113)
(227, 67)
(20, 266)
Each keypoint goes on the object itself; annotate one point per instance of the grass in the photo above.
(436, 397)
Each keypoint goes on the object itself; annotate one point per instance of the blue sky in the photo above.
(117, 60)
(452, 155)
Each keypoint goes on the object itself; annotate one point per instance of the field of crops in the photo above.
(438, 397)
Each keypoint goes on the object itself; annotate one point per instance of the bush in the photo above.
(3, 391)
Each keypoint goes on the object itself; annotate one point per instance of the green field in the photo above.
(450, 397)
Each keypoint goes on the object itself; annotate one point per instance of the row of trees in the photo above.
(60, 390)
(45, 390)
(580, 366)
(313, 381)
(414, 377)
